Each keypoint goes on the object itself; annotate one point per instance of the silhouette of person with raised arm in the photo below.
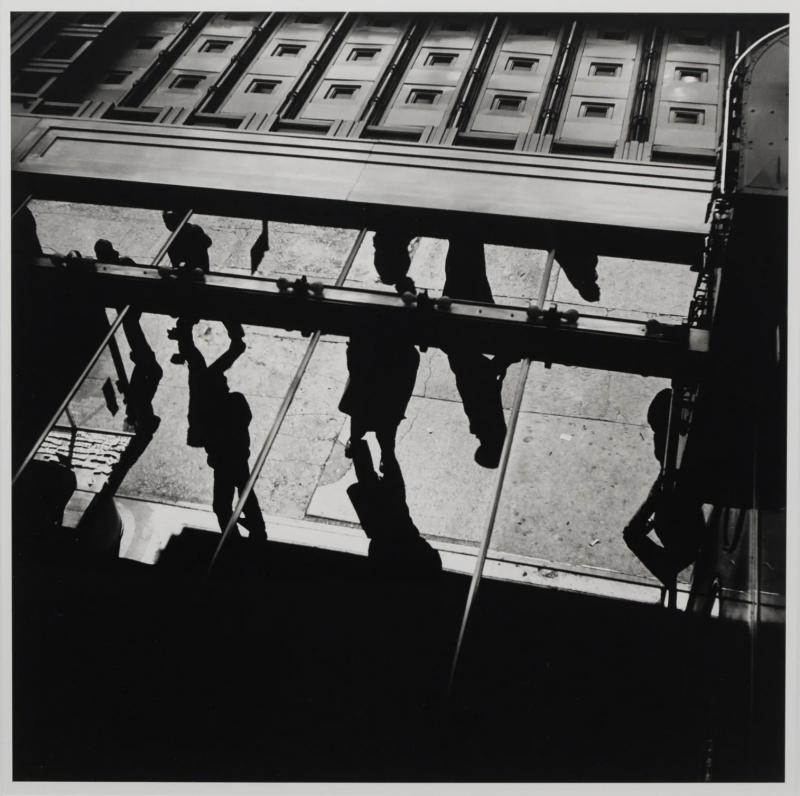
(382, 366)
(671, 511)
(219, 421)
(479, 378)
(188, 256)
(396, 546)
(147, 373)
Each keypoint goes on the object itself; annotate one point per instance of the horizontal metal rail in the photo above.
(591, 341)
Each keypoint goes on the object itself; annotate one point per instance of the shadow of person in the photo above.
(579, 264)
(382, 366)
(144, 379)
(670, 510)
(189, 262)
(147, 373)
(219, 422)
(396, 547)
(479, 378)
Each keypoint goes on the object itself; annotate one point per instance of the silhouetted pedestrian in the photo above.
(147, 373)
(580, 267)
(24, 238)
(188, 255)
(219, 421)
(479, 378)
(391, 257)
(105, 252)
(671, 511)
(396, 546)
(382, 366)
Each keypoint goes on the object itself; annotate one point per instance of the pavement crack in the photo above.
(429, 365)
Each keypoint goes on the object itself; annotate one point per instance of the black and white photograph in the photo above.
(398, 396)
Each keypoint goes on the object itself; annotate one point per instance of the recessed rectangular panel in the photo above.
(256, 93)
(181, 88)
(31, 82)
(210, 53)
(115, 77)
(261, 86)
(693, 45)
(690, 82)
(517, 80)
(358, 61)
(234, 23)
(183, 82)
(389, 31)
(306, 26)
(64, 48)
(597, 76)
(288, 50)
(363, 54)
(334, 100)
(210, 45)
(505, 113)
(531, 36)
(614, 40)
(147, 42)
(681, 125)
(420, 105)
(593, 122)
(460, 32)
(438, 65)
(509, 103)
(283, 57)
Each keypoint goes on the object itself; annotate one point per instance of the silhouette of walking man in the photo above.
(479, 378)
(382, 367)
(219, 421)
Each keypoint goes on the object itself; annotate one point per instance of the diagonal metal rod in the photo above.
(484, 548)
(512, 426)
(71, 394)
(282, 411)
(93, 361)
(21, 205)
(548, 270)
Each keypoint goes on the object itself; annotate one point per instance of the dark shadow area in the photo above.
(299, 664)
(56, 332)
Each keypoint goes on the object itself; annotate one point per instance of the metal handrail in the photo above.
(726, 110)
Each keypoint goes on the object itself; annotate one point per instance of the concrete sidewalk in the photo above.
(581, 460)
